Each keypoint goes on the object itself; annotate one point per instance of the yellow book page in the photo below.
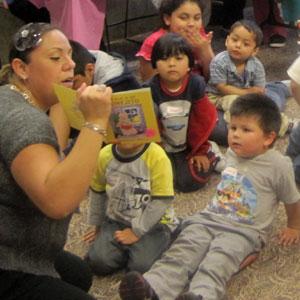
(67, 98)
(132, 118)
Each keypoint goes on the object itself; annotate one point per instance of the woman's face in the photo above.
(186, 18)
(49, 63)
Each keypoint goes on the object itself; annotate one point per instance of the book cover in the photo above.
(132, 117)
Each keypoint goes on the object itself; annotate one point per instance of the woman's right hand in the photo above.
(95, 103)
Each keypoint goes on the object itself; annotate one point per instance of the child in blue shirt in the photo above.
(237, 71)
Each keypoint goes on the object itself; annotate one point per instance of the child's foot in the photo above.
(188, 296)
(135, 287)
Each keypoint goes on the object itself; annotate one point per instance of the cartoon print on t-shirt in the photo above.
(235, 197)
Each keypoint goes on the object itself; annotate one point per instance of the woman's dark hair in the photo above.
(81, 56)
(167, 7)
(251, 27)
(171, 44)
(260, 106)
(26, 39)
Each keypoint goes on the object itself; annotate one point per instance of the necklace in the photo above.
(26, 95)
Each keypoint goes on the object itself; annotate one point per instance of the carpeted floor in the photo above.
(276, 273)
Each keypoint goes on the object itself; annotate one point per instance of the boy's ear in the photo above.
(167, 19)
(255, 51)
(226, 41)
(20, 68)
(270, 138)
(89, 70)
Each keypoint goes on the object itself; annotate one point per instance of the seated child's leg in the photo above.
(227, 101)
(278, 92)
(149, 248)
(106, 255)
(296, 165)
(223, 260)
(293, 150)
(170, 274)
(215, 100)
(220, 132)
(183, 179)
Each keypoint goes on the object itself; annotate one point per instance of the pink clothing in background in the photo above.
(80, 20)
(147, 46)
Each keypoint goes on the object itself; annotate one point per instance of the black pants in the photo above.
(76, 279)
(183, 179)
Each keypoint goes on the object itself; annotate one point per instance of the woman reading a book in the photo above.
(38, 190)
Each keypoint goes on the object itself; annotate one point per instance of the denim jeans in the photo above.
(293, 150)
(106, 255)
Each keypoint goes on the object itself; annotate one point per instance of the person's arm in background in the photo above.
(146, 70)
(291, 234)
(96, 214)
(57, 186)
(295, 87)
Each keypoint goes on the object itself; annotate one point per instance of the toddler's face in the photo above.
(186, 18)
(173, 69)
(241, 44)
(246, 138)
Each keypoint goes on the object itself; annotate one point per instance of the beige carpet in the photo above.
(274, 276)
(276, 273)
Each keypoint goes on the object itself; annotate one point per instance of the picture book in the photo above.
(132, 117)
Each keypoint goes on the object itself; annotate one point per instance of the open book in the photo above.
(132, 118)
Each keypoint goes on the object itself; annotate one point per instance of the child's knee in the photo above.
(100, 263)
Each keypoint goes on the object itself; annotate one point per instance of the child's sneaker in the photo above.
(189, 296)
(277, 41)
(135, 287)
(220, 166)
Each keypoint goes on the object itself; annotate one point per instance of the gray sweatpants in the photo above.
(202, 259)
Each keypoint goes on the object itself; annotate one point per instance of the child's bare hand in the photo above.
(126, 236)
(288, 236)
(201, 162)
(90, 236)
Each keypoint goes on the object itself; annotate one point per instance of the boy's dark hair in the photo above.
(81, 56)
(171, 44)
(251, 27)
(260, 106)
(167, 7)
